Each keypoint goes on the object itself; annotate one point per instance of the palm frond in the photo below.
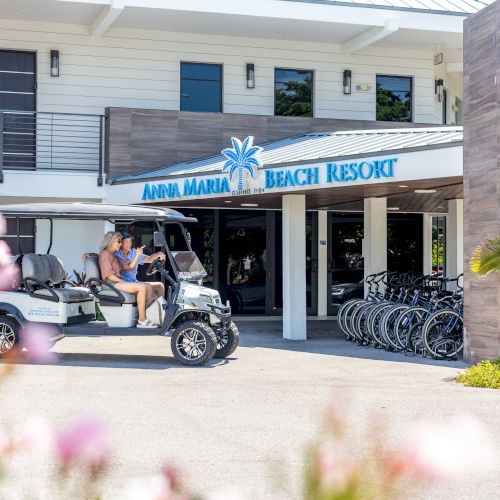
(486, 257)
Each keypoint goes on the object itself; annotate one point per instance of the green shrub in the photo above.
(484, 374)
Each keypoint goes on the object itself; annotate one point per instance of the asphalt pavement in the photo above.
(243, 421)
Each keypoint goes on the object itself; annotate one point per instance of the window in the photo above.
(394, 94)
(445, 106)
(439, 245)
(293, 92)
(201, 87)
(26, 236)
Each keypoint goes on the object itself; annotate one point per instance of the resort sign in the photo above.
(242, 175)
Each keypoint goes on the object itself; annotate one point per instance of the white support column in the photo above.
(375, 236)
(455, 238)
(427, 243)
(323, 293)
(294, 267)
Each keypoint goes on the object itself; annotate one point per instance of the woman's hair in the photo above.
(107, 239)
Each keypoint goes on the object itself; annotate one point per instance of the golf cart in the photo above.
(199, 324)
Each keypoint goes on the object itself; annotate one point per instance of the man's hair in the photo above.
(108, 238)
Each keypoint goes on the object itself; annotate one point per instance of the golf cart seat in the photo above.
(101, 289)
(43, 277)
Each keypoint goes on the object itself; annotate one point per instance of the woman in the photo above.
(111, 270)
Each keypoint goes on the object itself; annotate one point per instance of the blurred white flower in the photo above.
(38, 436)
(448, 449)
(156, 487)
(36, 338)
(225, 494)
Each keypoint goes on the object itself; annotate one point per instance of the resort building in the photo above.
(357, 107)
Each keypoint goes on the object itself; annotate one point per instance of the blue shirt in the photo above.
(131, 274)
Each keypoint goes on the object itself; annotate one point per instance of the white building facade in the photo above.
(64, 64)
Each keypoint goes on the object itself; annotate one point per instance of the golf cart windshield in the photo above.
(188, 265)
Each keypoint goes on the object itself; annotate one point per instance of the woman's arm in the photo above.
(114, 277)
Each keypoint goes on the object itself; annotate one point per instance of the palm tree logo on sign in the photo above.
(244, 156)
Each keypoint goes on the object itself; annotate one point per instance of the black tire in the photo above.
(227, 341)
(9, 334)
(193, 343)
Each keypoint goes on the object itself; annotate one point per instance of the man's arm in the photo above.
(151, 258)
(133, 263)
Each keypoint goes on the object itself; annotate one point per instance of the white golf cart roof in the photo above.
(92, 211)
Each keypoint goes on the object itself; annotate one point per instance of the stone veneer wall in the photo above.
(481, 178)
(143, 139)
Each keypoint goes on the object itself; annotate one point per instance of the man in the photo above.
(127, 256)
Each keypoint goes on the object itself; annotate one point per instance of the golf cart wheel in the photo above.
(227, 341)
(9, 334)
(193, 343)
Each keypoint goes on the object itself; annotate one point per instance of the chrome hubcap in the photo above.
(191, 344)
(7, 338)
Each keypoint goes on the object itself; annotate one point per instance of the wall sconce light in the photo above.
(438, 89)
(347, 81)
(250, 76)
(54, 63)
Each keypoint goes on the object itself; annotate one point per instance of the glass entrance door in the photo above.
(276, 298)
(345, 259)
(243, 260)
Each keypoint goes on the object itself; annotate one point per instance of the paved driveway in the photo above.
(244, 420)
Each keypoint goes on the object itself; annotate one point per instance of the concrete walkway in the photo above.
(246, 420)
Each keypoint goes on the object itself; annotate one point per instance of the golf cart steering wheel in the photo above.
(153, 267)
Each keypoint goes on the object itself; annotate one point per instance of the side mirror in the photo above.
(159, 239)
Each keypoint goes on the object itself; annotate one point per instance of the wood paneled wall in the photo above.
(481, 178)
(142, 139)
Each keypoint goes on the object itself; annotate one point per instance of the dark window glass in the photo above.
(445, 106)
(346, 247)
(404, 242)
(243, 260)
(11, 60)
(201, 87)
(293, 91)
(27, 233)
(394, 98)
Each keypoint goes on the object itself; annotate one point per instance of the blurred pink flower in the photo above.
(6, 443)
(36, 338)
(9, 271)
(85, 441)
(446, 450)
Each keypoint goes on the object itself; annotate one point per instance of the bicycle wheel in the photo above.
(387, 324)
(406, 325)
(362, 322)
(353, 323)
(443, 334)
(374, 325)
(343, 315)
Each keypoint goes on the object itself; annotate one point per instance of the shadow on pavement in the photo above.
(105, 360)
(324, 337)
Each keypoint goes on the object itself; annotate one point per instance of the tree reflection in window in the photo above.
(394, 98)
(292, 92)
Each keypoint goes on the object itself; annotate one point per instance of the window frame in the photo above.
(411, 78)
(221, 99)
(313, 82)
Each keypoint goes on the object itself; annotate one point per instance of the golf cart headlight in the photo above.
(206, 298)
(337, 290)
